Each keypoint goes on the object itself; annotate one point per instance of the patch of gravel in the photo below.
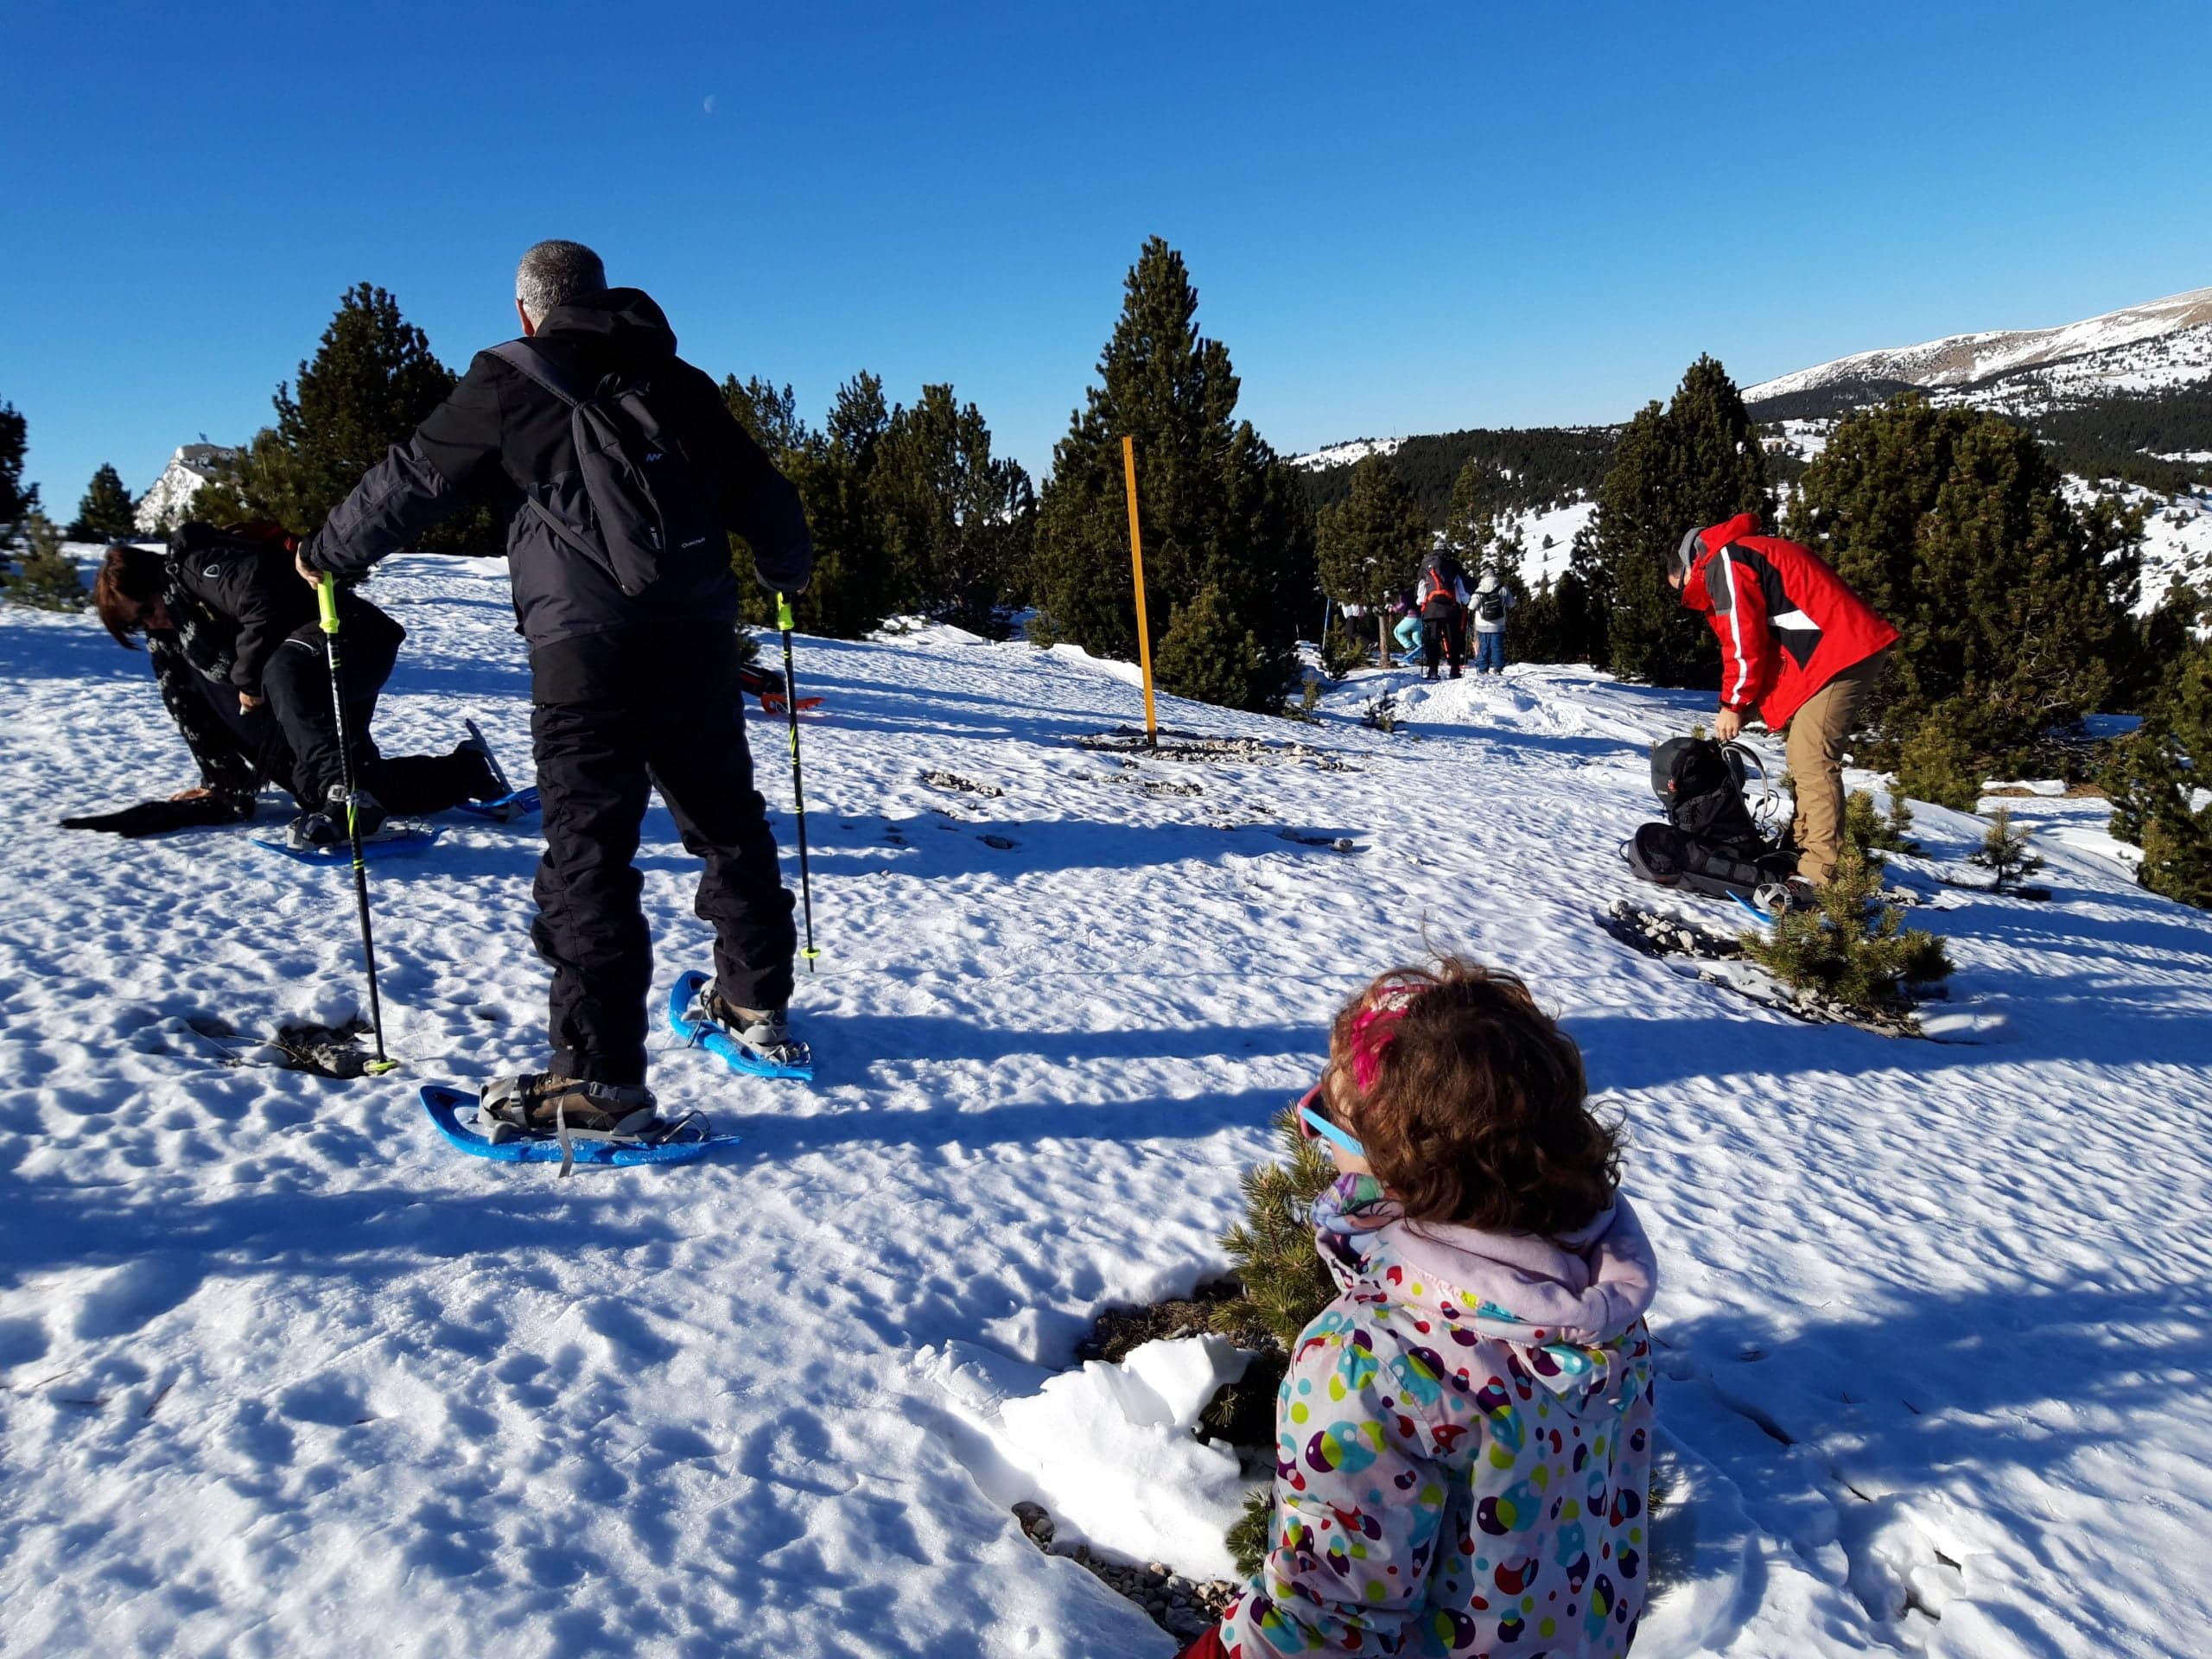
(1659, 935)
(1192, 746)
(1656, 934)
(953, 781)
(1185, 1608)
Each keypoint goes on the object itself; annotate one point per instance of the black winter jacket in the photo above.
(500, 432)
(240, 600)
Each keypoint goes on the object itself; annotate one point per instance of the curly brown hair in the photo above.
(1471, 1101)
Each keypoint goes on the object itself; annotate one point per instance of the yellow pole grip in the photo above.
(326, 599)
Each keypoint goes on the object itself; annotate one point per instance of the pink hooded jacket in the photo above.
(1463, 1444)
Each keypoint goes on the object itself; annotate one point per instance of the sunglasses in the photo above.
(1312, 1125)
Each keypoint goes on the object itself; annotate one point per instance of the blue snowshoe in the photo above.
(759, 1048)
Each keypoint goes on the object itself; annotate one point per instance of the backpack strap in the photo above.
(528, 361)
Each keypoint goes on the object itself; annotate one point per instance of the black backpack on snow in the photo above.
(1710, 843)
(635, 505)
(1700, 783)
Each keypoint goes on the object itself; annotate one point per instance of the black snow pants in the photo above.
(1440, 637)
(614, 715)
(293, 736)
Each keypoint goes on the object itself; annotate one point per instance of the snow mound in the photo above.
(280, 1374)
(1109, 1448)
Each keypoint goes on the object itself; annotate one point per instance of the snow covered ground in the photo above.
(281, 1376)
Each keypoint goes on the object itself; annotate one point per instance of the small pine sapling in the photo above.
(46, 580)
(1343, 650)
(1285, 1282)
(1248, 1536)
(1272, 1248)
(2005, 853)
(1835, 950)
(1381, 713)
(1874, 833)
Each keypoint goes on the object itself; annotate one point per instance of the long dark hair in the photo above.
(130, 580)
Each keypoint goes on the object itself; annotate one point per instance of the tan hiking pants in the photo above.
(1814, 746)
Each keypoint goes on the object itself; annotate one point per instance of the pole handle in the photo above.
(326, 599)
(785, 620)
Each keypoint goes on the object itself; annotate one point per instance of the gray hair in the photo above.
(557, 273)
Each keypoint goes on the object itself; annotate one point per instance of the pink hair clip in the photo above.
(1372, 1033)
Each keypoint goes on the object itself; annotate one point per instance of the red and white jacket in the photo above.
(1787, 623)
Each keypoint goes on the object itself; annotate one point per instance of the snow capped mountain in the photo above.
(188, 468)
(1344, 454)
(2166, 342)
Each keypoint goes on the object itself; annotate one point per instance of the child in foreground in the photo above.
(1464, 1439)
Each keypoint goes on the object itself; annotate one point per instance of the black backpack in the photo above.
(1700, 783)
(1490, 606)
(1710, 843)
(636, 504)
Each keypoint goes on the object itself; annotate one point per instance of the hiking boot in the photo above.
(327, 828)
(766, 1032)
(545, 1103)
(1430, 675)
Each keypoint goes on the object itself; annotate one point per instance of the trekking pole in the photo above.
(783, 620)
(327, 598)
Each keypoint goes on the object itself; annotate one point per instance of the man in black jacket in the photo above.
(632, 687)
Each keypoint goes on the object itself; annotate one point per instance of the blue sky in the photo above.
(1407, 221)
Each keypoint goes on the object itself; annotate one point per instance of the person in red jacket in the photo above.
(1798, 650)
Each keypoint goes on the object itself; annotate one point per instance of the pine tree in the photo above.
(107, 512)
(1284, 1278)
(1370, 544)
(834, 470)
(2010, 603)
(46, 580)
(1219, 510)
(1470, 519)
(1272, 1248)
(769, 412)
(1937, 764)
(1694, 463)
(1835, 952)
(17, 502)
(371, 381)
(957, 521)
(2004, 852)
(2154, 779)
(1874, 834)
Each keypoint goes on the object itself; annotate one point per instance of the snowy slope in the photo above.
(2166, 342)
(1344, 454)
(281, 1376)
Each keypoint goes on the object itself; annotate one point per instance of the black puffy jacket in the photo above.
(241, 598)
(501, 433)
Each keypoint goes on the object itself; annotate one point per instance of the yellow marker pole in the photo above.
(1136, 566)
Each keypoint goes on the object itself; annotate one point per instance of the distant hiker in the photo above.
(1442, 597)
(1409, 632)
(238, 655)
(623, 589)
(1798, 649)
(1493, 601)
(1468, 1423)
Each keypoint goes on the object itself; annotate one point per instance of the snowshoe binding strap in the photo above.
(767, 1035)
(517, 1105)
